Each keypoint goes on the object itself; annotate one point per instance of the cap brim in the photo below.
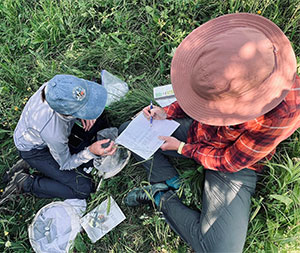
(255, 103)
(95, 104)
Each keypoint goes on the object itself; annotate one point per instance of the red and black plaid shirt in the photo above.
(232, 148)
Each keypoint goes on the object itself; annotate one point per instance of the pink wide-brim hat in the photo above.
(233, 69)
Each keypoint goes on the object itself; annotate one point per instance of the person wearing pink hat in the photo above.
(238, 97)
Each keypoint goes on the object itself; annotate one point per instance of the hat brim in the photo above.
(97, 96)
(255, 102)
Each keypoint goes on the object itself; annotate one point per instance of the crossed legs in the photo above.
(221, 225)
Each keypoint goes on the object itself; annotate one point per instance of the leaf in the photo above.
(108, 205)
(79, 244)
(257, 209)
(286, 200)
(149, 10)
(5, 131)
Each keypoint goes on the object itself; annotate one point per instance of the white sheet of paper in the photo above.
(142, 138)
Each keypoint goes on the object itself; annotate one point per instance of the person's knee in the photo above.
(83, 193)
(123, 126)
(84, 189)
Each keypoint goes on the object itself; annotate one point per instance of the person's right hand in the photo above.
(87, 124)
(156, 112)
(97, 149)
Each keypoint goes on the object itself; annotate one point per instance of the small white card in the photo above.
(163, 91)
(102, 219)
(164, 95)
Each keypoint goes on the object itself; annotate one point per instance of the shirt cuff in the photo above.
(179, 150)
(88, 154)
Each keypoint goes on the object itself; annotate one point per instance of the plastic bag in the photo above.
(116, 88)
(108, 133)
(109, 166)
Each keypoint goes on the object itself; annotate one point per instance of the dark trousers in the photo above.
(222, 224)
(52, 182)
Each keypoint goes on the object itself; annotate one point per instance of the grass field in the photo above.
(134, 40)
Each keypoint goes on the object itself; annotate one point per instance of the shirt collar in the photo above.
(64, 117)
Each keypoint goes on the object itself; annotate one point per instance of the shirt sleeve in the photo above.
(174, 111)
(248, 149)
(61, 153)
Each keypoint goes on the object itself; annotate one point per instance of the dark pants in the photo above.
(222, 224)
(53, 182)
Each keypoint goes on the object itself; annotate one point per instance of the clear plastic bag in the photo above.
(108, 133)
(109, 166)
(116, 88)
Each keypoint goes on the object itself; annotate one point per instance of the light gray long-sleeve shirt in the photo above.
(40, 127)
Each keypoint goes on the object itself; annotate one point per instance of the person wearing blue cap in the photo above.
(42, 138)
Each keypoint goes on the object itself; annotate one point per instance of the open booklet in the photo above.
(102, 219)
(142, 138)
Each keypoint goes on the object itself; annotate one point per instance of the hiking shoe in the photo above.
(144, 195)
(20, 165)
(15, 185)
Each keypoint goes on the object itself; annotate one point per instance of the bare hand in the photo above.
(97, 149)
(171, 143)
(87, 123)
(156, 112)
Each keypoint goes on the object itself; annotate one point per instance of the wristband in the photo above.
(179, 150)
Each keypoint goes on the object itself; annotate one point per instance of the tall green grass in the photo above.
(134, 40)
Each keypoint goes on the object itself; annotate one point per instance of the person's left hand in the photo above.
(171, 143)
(87, 123)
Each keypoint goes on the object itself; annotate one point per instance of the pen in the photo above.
(151, 118)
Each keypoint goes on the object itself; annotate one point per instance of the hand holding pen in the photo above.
(156, 113)
(151, 117)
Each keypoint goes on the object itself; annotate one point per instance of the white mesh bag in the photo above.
(55, 227)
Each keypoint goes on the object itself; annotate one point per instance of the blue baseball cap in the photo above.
(70, 95)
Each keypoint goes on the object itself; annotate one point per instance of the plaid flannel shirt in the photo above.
(232, 148)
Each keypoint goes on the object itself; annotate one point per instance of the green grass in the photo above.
(134, 40)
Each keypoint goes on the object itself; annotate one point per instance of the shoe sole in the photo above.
(20, 165)
(11, 188)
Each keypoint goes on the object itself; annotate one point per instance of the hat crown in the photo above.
(235, 62)
(232, 69)
(66, 94)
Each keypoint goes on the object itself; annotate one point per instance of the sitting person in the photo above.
(238, 97)
(42, 138)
